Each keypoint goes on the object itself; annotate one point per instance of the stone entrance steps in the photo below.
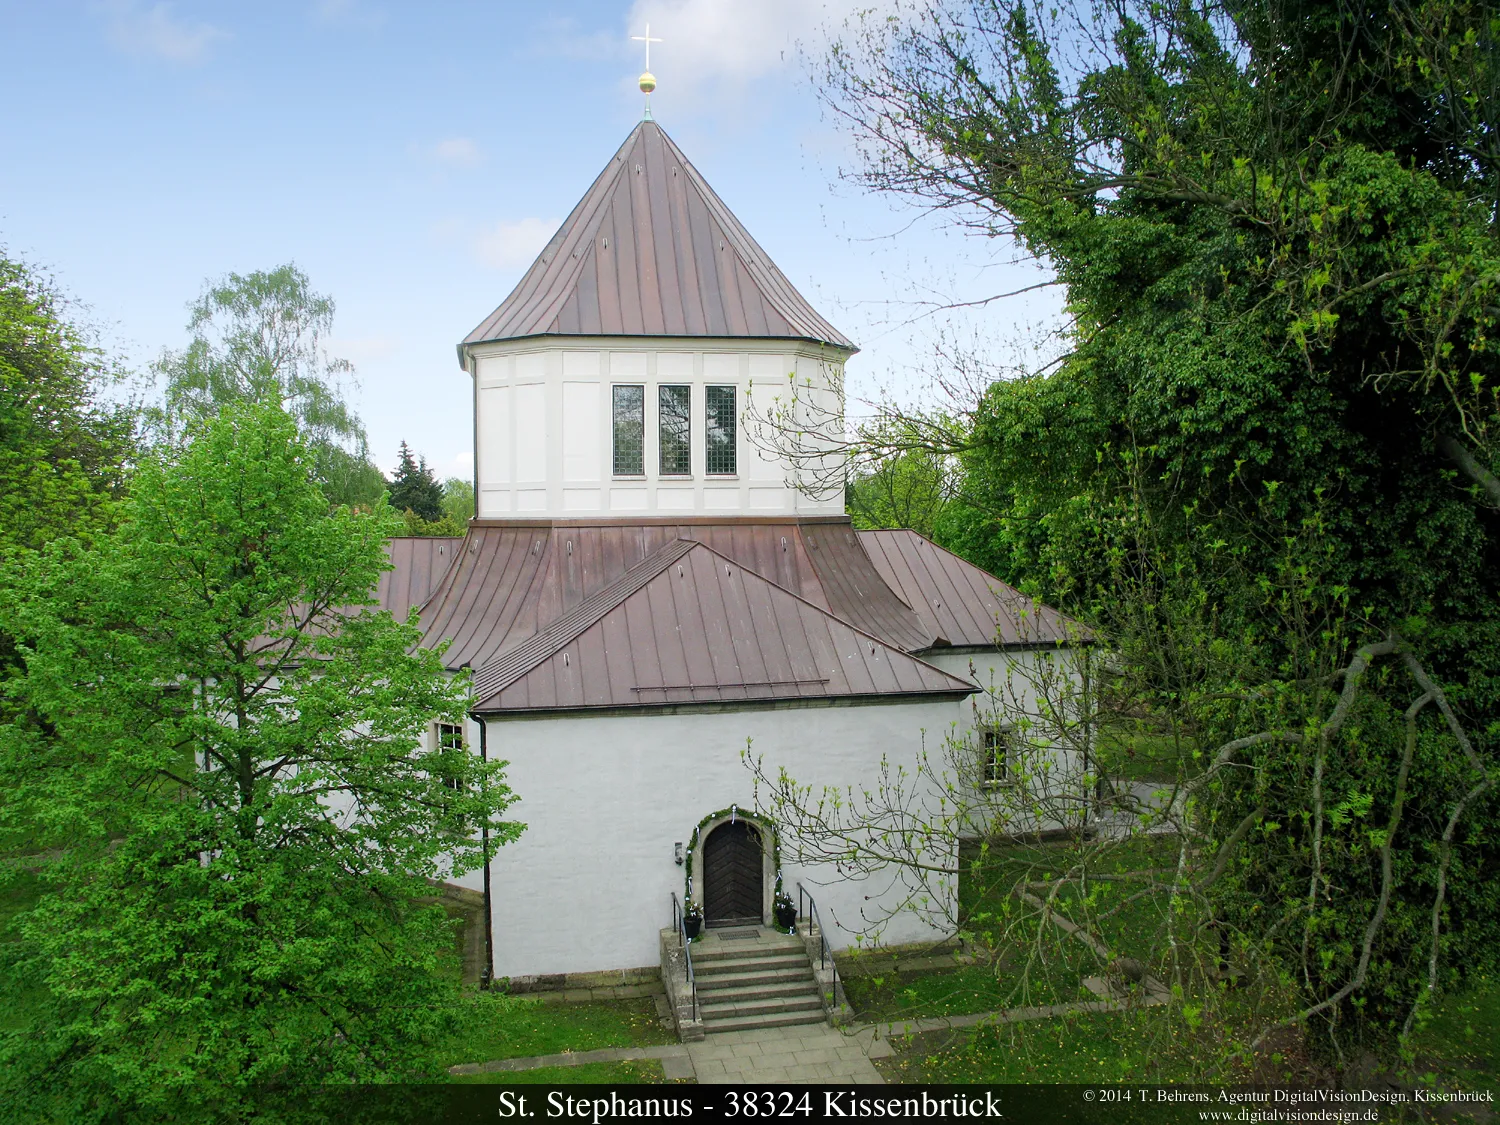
(762, 982)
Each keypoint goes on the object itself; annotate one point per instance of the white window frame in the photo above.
(996, 770)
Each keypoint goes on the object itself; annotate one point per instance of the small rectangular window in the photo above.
(449, 737)
(675, 404)
(630, 431)
(719, 434)
(994, 755)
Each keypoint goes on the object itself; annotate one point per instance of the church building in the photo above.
(646, 592)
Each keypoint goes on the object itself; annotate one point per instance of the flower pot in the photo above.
(786, 915)
(692, 924)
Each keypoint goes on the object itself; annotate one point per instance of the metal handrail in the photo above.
(687, 951)
(825, 951)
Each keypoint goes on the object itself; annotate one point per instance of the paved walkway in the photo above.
(804, 1053)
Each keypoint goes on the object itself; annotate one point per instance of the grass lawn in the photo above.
(1459, 1047)
(633, 1070)
(1142, 756)
(1083, 1047)
(511, 1027)
(957, 992)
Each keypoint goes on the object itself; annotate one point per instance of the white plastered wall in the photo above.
(1019, 687)
(544, 440)
(605, 798)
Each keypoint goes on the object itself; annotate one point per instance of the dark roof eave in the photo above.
(787, 702)
(1009, 646)
(848, 348)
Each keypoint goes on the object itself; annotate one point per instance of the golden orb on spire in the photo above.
(648, 82)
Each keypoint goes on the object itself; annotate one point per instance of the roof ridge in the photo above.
(844, 621)
(511, 664)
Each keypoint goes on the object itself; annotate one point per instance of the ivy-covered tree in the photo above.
(1264, 466)
(221, 763)
(414, 489)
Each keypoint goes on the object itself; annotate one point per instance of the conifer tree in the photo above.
(415, 489)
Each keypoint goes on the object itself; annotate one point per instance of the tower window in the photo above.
(630, 431)
(719, 434)
(674, 403)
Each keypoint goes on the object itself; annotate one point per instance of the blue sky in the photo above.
(413, 158)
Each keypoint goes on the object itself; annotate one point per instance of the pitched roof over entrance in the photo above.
(651, 250)
(690, 626)
(512, 580)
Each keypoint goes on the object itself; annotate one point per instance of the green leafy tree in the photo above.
(221, 762)
(905, 488)
(63, 446)
(414, 489)
(260, 337)
(1265, 466)
(458, 499)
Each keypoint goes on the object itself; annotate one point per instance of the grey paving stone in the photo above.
(678, 1067)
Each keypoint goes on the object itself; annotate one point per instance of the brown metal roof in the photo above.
(416, 566)
(514, 580)
(521, 657)
(651, 250)
(960, 602)
(692, 626)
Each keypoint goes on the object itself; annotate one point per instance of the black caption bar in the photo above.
(1065, 1105)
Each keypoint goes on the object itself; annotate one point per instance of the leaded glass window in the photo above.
(674, 404)
(994, 755)
(450, 737)
(719, 435)
(630, 431)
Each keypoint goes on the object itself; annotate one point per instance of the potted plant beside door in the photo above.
(785, 911)
(692, 920)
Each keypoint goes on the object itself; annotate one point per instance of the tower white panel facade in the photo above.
(549, 419)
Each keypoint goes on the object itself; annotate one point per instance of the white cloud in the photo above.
(508, 245)
(363, 349)
(719, 41)
(456, 152)
(155, 32)
(461, 466)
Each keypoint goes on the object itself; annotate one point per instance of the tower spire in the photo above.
(647, 79)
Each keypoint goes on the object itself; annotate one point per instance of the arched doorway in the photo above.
(733, 875)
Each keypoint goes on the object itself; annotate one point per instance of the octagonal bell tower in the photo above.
(624, 375)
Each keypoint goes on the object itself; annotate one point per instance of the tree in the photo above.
(906, 488)
(458, 500)
(414, 489)
(221, 761)
(63, 446)
(1265, 466)
(259, 337)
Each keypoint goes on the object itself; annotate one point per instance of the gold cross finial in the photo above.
(646, 39)
(647, 80)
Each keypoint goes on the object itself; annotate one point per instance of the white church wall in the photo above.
(544, 434)
(605, 798)
(1047, 787)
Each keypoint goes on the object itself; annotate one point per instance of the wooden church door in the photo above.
(733, 876)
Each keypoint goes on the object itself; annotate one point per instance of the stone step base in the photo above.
(757, 988)
(739, 966)
(716, 1010)
(755, 953)
(756, 1023)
